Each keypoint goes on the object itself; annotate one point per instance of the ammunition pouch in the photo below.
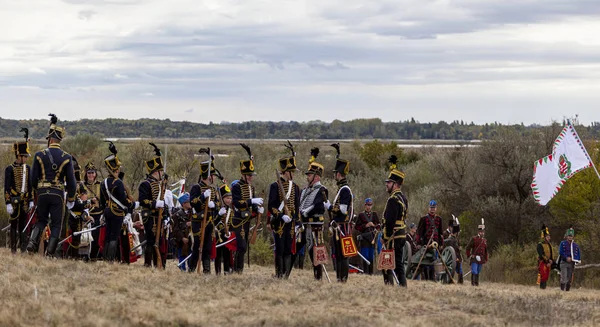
(146, 214)
(245, 214)
(15, 200)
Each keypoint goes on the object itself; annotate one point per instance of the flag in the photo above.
(568, 157)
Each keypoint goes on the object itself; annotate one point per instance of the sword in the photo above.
(5, 228)
(326, 273)
(30, 218)
(184, 260)
(354, 267)
(139, 245)
(226, 242)
(87, 230)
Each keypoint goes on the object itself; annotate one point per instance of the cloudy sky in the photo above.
(235, 60)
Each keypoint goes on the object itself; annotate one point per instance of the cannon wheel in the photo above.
(448, 255)
(406, 260)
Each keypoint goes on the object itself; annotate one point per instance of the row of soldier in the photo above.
(212, 221)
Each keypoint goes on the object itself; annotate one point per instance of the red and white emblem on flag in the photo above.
(320, 255)
(387, 260)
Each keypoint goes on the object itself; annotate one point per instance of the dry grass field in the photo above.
(39, 292)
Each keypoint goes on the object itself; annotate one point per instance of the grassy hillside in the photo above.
(41, 292)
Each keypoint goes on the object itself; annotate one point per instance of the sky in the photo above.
(508, 61)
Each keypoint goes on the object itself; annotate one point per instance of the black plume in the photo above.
(54, 119)
(204, 150)
(156, 149)
(218, 173)
(121, 175)
(337, 148)
(290, 147)
(393, 159)
(314, 152)
(26, 130)
(247, 148)
(111, 147)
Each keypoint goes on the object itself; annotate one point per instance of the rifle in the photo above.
(254, 232)
(159, 225)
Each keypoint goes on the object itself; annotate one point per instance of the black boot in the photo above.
(472, 280)
(476, 280)
(344, 270)
(206, 266)
(543, 285)
(148, 257)
(279, 268)
(460, 279)
(111, 251)
(52, 244)
(318, 272)
(34, 240)
(568, 287)
(562, 286)
(287, 266)
(300, 262)
(13, 240)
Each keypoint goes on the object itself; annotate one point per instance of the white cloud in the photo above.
(481, 60)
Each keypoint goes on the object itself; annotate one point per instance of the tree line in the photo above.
(373, 128)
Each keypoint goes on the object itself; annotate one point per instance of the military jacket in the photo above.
(343, 199)
(276, 198)
(242, 194)
(199, 203)
(117, 190)
(13, 184)
(52, 167)
(394, 216)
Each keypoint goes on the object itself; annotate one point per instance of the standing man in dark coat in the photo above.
(367, 224)
(151, 198)
(284, 201)
(201, 195)
(117, 203)
(394, 226)
(18, 195)
(478, 253)
(340, 213)
(52, 168)
(246, 207)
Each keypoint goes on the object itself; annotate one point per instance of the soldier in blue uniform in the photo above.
(284, 200)
(52, 168)
(17, 193)
(340, 213)
(116, 202)
(246, 207)
(151, 198)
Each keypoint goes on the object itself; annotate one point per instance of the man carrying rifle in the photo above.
(117, 203)
(246, 206)
(151, 198)
(340, 213)
(312, 210)
(52, 168)
(284, 199)
(394, 228)
(203, 198)
(18, 195)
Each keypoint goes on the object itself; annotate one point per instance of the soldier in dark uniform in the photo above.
(430, 235)
(448, 230)
(223, 258)
(201, 195)
(18, 195)
(246, 207)
(151, 198)
(312, 209)
(340, 213)
(117, 203)
(91, 186)
(52, 167)
(367, 224)
(394, 218)
(77, 217)
(284, 199)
